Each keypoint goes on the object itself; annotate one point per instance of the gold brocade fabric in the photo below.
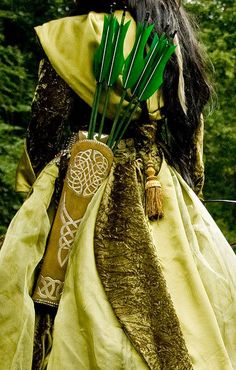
(43, 338)
(131, 274)
(51, 111)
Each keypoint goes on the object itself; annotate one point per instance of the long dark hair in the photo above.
(181, 125)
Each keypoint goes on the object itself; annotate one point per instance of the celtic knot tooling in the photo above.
(87, 172)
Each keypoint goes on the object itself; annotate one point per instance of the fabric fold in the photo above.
(87, 334)
(22, 250)
(25, 176)
(200, 271)
(131, 274)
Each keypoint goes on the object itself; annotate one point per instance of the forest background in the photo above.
(19, 57)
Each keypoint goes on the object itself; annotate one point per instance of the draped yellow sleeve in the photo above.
(25, 176)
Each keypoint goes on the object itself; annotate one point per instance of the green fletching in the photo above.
(109, 49)
(135, 61)
(103, 55)
(156, 41)
(142, 73)
(100, 50)
(157, 48)
(111, 61)
(118, 59)
(148, 67)
(155, 79)
(109, 57)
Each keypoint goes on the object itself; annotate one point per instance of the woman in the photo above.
(138, 293)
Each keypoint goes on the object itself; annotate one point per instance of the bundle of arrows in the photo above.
(142, 71)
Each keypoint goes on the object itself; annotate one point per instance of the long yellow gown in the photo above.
(197, 263)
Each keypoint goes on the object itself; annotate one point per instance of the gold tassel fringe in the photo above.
(154, 194)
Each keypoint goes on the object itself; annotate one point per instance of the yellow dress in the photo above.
(198, 265)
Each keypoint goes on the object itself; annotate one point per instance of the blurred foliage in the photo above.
(218, 33)
(10, 150)
(19, 57)
(16, 88)
(20, 54)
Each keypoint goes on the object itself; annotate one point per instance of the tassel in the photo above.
(154, 195)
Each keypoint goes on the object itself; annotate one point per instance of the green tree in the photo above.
(19, 57)
(218, 32)
(9, 154)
